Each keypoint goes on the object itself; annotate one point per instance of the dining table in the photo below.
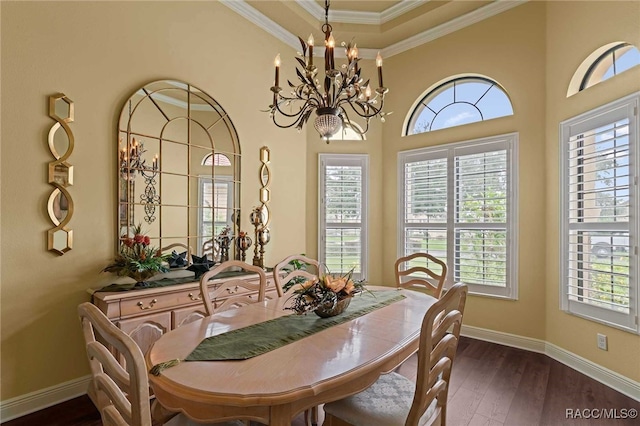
(275, 386)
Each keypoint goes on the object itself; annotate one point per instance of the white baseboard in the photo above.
(38, 400)
(34, 401)
(616, 381)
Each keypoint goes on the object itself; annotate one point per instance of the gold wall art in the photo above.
(60, 176)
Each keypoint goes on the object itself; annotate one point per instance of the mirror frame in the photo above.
(60, 175)
(192, 97)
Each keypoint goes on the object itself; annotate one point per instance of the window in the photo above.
(216, 159)
(599, 235)
(342, 221)
(602, 64)
(612, 62)
(458, 202)
(456, 102)
(349, 132)
(216, 199)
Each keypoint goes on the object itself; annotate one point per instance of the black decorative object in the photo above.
(200, 265)
(178, 260)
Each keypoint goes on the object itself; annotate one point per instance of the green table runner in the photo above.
(266, 336)
(256, 339)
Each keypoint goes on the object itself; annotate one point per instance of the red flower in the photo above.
(138, 239)
(147, 240)
(128, 242)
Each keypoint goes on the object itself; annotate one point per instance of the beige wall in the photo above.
(98, 54)
(55, 46)
(569, 42)
(372, 146)
(508, 48)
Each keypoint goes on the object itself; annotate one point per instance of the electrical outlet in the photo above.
(602, 341)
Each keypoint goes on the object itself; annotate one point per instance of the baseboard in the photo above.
(38, 400)
(616, 381)
(34, 401)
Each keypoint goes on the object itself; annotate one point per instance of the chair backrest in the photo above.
(439, 337)
(433, 283)
(237, 291)
(212, 249)
(281, 281)
(121, 394)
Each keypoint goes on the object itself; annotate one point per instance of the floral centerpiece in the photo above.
(326, 295)
(137, 259)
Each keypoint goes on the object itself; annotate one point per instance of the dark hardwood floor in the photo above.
(491, 385)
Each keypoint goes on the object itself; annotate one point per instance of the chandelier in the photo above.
(329, 98)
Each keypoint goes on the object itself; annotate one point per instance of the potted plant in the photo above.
(137, 259)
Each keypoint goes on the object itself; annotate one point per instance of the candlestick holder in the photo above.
(243, 242)
(257, 220)
(264, 236)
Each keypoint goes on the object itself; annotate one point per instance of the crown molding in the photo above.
(341, 16)
(451, 26)
(243, 9)
(270, 26)
(356, 17)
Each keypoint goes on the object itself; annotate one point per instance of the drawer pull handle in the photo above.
(232, 291)
(198, 297)
(142, 307)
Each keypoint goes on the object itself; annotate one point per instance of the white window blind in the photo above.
(457, 204)
(215, 206)
(600, 208)
(343, 212)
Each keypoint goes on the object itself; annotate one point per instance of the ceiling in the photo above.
(389, 26)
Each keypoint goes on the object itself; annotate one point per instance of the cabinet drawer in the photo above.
(152, 303)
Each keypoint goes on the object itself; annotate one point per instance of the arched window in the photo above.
(216, 160)
(458, 101)
(348, 133)
(604, 63)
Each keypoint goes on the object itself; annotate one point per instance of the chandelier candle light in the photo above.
(341, 88)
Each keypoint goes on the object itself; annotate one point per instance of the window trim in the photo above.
(597, 117)
(202, 180)
(419, 105)
(345, 160)
(507, 141)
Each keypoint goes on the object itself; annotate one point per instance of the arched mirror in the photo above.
(167, 133)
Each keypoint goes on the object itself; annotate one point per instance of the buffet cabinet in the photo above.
(146, 314)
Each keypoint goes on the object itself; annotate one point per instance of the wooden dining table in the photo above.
(274, 387)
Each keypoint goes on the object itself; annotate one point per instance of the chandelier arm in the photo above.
(302, 109)
(355, 128)
(286, 126)
(374, 110)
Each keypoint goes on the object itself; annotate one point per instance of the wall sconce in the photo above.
(132, 161)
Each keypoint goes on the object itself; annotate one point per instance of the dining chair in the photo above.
(212, 249)
(237, 292)
(121, 392)
(283, 273)
(430, 280)
(394, 400)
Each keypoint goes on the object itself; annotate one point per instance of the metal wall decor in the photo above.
(60, 176)
(132, 161)
(338, 88)
(260, 216)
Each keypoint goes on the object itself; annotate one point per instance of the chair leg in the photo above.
(311, 416)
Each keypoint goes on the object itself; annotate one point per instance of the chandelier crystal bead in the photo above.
(329, 94)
